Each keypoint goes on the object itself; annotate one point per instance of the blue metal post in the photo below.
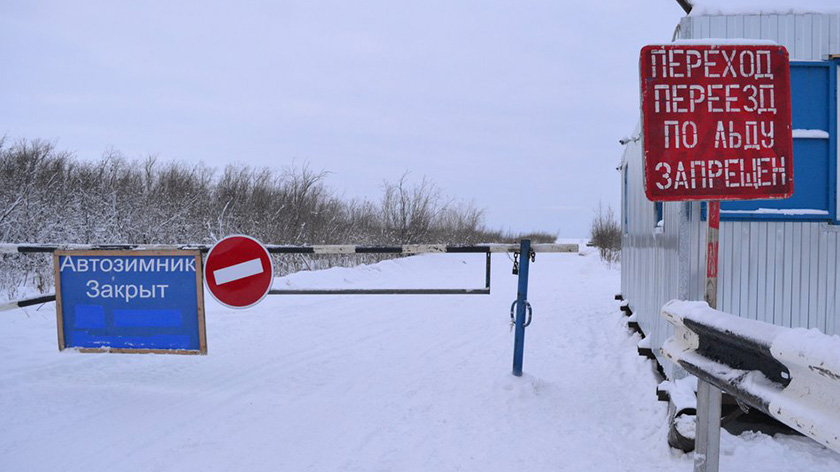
(521, 299)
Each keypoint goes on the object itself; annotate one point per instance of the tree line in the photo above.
(49, 196)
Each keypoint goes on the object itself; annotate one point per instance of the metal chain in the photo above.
(516, 263)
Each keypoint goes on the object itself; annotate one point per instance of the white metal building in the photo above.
(778, 258)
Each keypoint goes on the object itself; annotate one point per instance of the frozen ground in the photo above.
(367, 383)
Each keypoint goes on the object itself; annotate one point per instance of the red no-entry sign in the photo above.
(716, 122)
(238, 271)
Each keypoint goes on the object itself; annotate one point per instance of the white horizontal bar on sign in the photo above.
(238, 271)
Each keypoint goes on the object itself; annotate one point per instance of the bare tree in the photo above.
(408, 211)
(605, 234)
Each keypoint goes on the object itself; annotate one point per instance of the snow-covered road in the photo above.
(367, 383)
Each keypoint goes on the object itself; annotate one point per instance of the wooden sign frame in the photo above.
(199, 280)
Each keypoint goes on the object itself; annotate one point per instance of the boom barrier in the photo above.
(343, 249)
(523, 254)
(406, 249)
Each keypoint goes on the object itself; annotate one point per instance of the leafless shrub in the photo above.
(536, 237)
(605, 234)
(409, 211)
(48, 196)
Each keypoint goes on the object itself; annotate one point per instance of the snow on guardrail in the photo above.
(792, 375)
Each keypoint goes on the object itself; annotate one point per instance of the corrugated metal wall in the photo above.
(806, 36)
(781, 272)
(651, 256)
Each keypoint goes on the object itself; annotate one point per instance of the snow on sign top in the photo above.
(716, 122)
(762, 7)
(724, 42)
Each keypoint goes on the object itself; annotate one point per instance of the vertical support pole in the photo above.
(487, 272)
(684, 289)
(521, 298)
(712, 246)
(707, 438)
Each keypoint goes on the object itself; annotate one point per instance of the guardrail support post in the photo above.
(707, 436)
(709, 397)
(521, 299)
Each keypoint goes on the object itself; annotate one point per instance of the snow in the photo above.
(700, 312)
(682, 393)
(403, 383)
(686, 425)
(814, 362)
(762, 7)
(805, 345)
(778, 211)
(724, 42)
(810, 134)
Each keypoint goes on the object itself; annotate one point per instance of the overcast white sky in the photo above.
(516, 106)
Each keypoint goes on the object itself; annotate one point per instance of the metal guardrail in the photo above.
(792, 375)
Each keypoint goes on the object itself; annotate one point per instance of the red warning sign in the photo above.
(238, 271)
(716, 122)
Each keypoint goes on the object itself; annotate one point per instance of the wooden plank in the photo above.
(89, 350)
(58, 312)
(199, 284)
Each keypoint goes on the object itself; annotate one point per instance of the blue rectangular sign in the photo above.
(130, 301)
